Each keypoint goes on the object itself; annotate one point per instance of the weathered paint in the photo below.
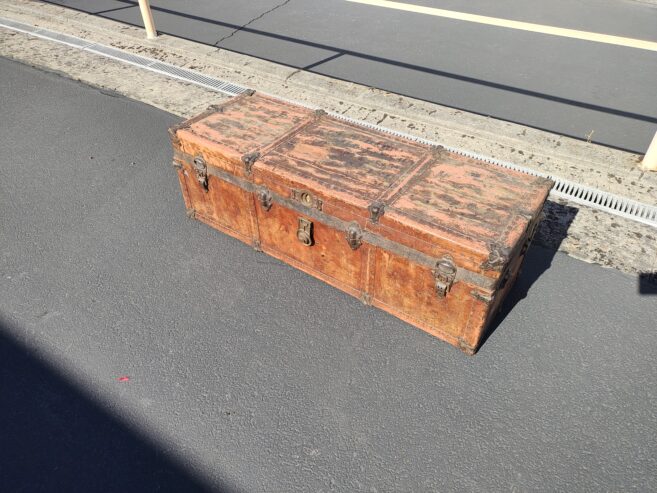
(420, 197)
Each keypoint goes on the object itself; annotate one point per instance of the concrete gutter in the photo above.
(584, 233)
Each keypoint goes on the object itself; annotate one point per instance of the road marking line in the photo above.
(522, 26)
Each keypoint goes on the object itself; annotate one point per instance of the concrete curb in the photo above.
(591, 235)
(590, 164)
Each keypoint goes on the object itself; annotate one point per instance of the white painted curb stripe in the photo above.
(509, 24)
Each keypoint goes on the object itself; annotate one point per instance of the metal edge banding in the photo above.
(411, 254)
(564, 189)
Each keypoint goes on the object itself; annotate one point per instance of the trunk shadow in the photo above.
(552, 230)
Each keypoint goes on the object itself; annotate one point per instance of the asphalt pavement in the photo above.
(141, 350)
(587, 90)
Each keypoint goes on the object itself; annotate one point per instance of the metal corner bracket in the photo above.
(249, 159)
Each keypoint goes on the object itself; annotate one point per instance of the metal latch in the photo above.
(444, 274)
(354, 236)
(305, 231)
(307, 199)
(201, 170)
(265, 198)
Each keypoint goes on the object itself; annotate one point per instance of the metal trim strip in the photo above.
(462, 274)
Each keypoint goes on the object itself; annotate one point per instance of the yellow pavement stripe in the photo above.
(523, 26)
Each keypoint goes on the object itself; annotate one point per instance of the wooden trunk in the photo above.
(430, 236)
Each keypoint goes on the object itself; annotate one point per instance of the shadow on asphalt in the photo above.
(552, 230)
(55, 437)
(648, 283)
(364, 56)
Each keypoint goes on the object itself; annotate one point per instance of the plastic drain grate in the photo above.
(197, 78)
(120, 55)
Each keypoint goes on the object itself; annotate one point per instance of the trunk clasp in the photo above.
(201, 171)
(354, 236)
(305, 232)
(444, 274)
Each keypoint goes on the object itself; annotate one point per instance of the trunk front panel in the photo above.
(328, 251)
(408, 290)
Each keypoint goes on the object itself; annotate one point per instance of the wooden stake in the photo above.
(650, 159)
(146, 14)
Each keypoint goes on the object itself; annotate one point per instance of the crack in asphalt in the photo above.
(283, 4)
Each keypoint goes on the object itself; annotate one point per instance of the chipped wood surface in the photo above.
(375, 215)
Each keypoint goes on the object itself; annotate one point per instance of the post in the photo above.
(650, 159)
(146, 14)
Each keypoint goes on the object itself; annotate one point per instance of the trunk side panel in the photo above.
(484, 314)
(183, 186)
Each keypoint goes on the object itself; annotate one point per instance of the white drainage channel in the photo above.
(574, 192)
(123, 56)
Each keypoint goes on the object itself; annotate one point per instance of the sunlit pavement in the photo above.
(575, 87)
(140, 350)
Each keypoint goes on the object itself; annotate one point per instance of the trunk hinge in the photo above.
(530, 236)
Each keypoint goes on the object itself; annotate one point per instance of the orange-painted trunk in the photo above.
(432, 237)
